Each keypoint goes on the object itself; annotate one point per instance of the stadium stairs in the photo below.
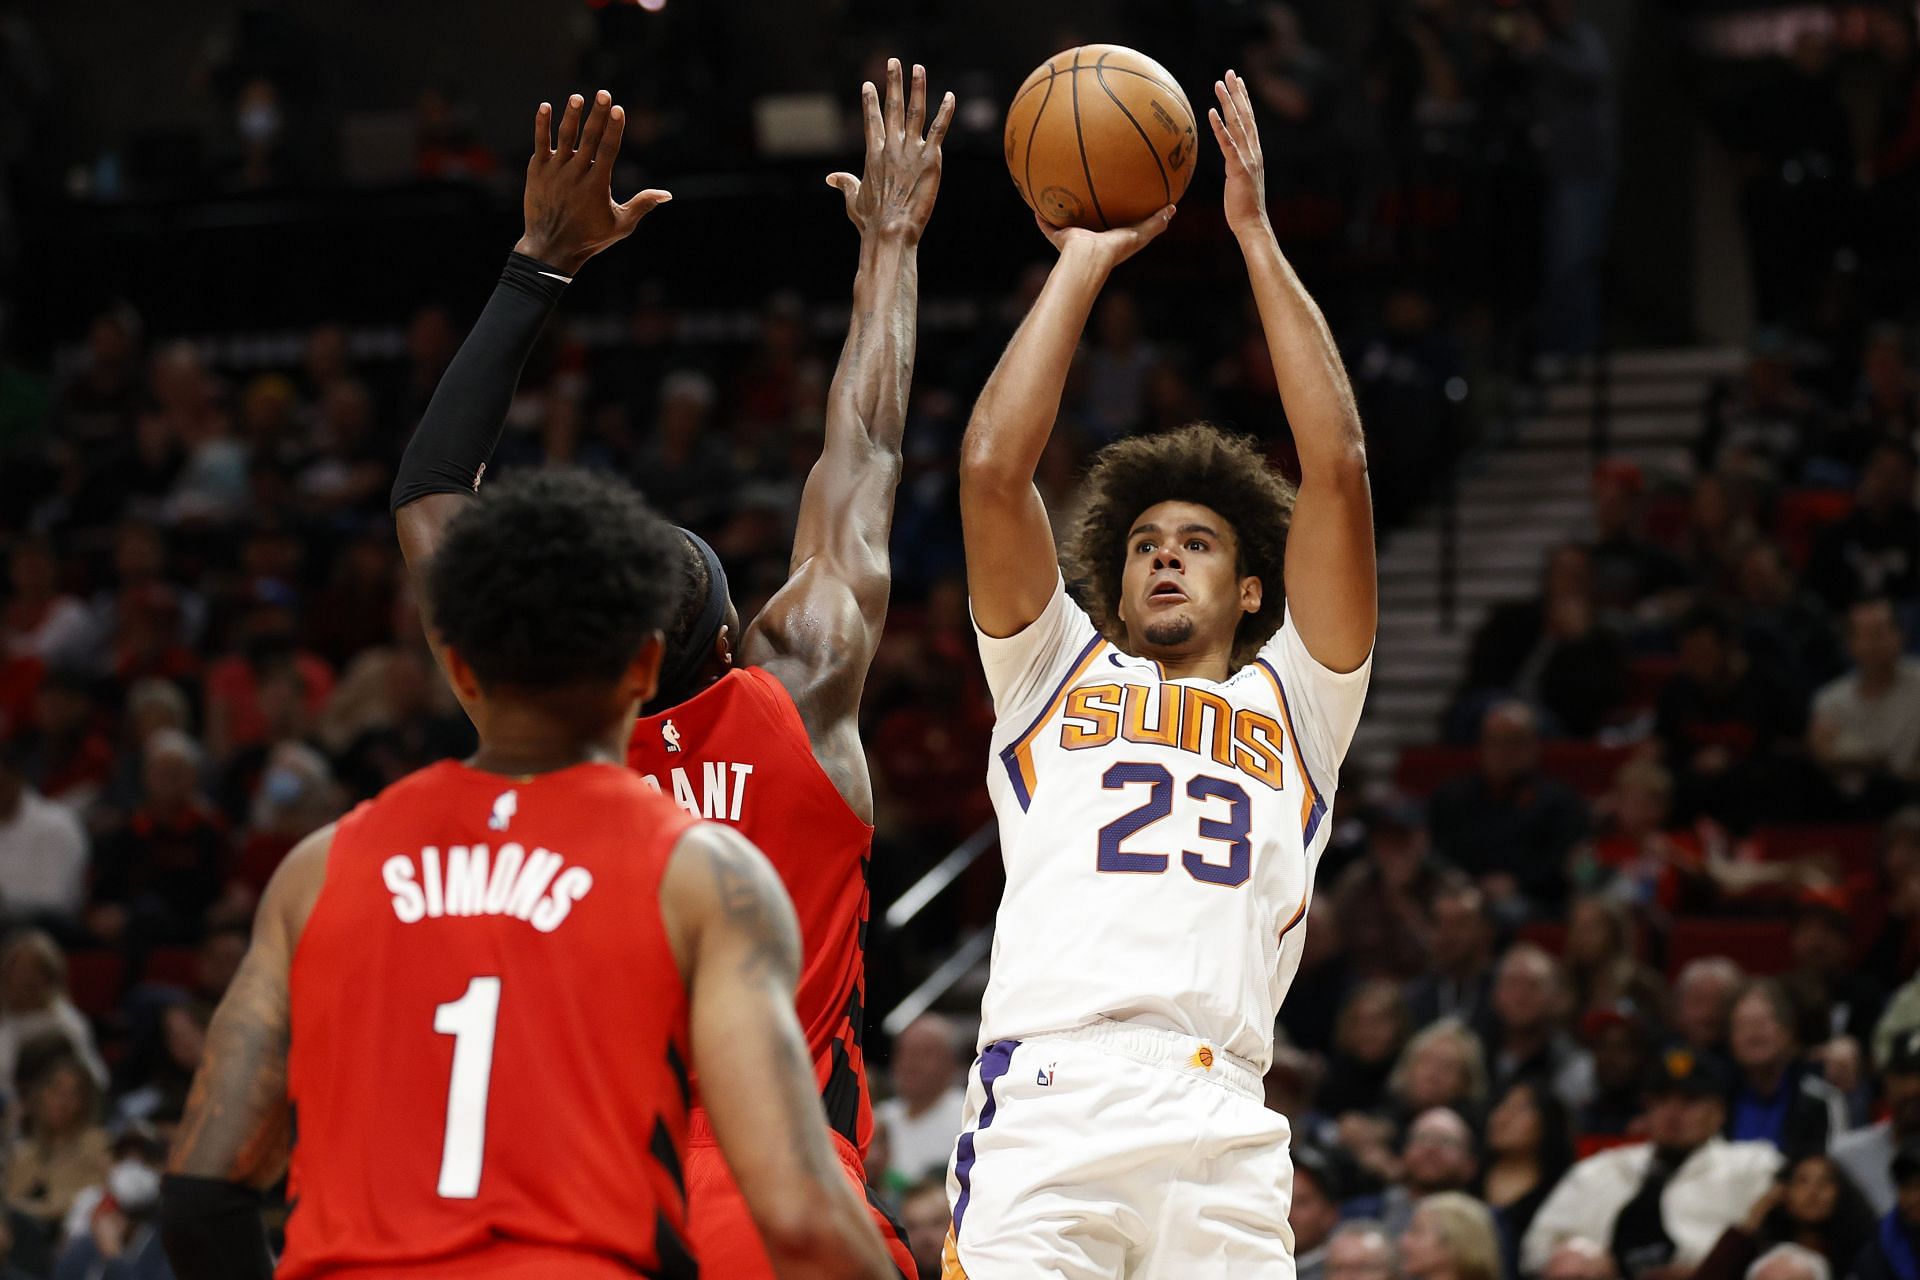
(1516, 499)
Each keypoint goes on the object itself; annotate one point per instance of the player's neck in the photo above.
(523, 740)
(1203, 665)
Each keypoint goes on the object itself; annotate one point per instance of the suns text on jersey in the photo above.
(722, 790)
(1178, 716)
(473, 880)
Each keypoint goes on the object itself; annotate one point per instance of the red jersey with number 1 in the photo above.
(489, 1046)
(738, 752)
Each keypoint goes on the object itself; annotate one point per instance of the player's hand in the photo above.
(894, 194)
(570, 210)
(1107, 249)
(1239, 139)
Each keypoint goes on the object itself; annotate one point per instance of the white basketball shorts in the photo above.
(1118, 1152)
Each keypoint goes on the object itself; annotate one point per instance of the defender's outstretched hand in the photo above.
(569, 206)
(894, 194)
(1239, 139)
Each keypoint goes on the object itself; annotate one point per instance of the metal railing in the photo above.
(973, 946)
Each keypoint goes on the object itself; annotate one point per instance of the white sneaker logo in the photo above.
(505, 805)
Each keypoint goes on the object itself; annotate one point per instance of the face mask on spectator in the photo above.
(282, 787)
(134, 1186)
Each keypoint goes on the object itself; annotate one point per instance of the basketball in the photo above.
(1100, 136)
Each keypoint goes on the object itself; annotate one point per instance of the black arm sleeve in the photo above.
(456, 436)
(212, 1229)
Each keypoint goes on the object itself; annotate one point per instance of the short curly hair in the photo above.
(553, 578)
(1197, 463)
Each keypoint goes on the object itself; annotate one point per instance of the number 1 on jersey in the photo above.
(470, 1020)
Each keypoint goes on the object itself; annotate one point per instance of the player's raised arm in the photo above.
(1011, 561)
(818, 635)
(233, 1141)
(1332, 595)
(738, 946)
(570, 216)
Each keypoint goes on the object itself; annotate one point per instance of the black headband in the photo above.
(679, 669)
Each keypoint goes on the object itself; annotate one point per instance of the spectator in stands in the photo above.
(1718, 721)
(163, 1094)
(1790, 1262)
(35, 1009)
(1621, 1043)
(1460, 958)
(1867, 1154)
(1372, 1027)
(1703, 998)
(1529, 1146)
(237, 704)
(1555, 650)
(1119, 362)
(1825, 940)
(1895, 952)
(1361, 1250)
(210, 485)
(1813, 1206)
(1383, 899)
(1783, 625)
(1777, 1095)
(43, 853)
(924, 1213)
(40, 620)
(1602, 958)
(1886, 403)
(112, 1231)
(1865, 730)
(1890, 1255)
(923, 1117)
(1875, 549)
(1719, 531)
(1450, 1237)
(1508, 825)
(1314, 1211)
(1298, 87)
(62, 1150)
(1576, 122)
(1437, 1155)
(1641, 856)
(1629, 569)
(160, 877)
(1579, 1259)
(1529, 1038)
(685, 461)
(98, 403)
(1442, 1066)
(67, 755)
(1662, 1203)
(1762, 425)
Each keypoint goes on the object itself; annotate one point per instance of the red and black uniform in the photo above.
(738, 752)
(488, 1062)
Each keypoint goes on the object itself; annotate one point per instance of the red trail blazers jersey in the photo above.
(488, 1064)
(737, 752)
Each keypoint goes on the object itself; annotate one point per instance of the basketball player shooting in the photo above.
(759, 727)
(481, 992)
(1164, 763)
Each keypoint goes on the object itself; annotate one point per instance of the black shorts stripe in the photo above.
(676, 1260)
(662, 1147)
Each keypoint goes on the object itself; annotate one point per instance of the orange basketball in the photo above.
(1100, 136)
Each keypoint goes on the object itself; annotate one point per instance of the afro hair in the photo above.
(554, 578)
(1198, 463)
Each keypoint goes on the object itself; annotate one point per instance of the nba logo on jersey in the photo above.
(505, 805)
(1044, 1076)
(670, 734)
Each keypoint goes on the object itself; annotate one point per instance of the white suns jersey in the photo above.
(1160, 837)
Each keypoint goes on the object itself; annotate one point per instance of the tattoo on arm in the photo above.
(237, 1123)
(751, 901)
